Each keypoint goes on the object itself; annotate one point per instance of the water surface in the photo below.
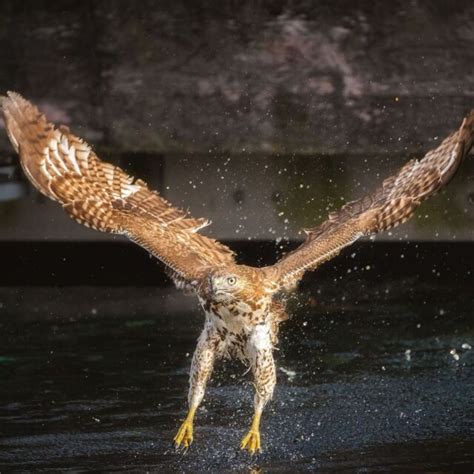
(372, 377)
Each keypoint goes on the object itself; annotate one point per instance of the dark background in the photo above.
(262, 116)
(259, 115)
(271, 76)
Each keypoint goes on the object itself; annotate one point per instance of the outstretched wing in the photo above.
(103, 197)
(391, 204)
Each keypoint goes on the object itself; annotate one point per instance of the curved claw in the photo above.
(251, 442)
(184, 436)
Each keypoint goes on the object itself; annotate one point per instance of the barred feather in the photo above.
(102, 196)
(390, 205)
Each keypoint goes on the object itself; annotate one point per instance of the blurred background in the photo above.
(262, 116)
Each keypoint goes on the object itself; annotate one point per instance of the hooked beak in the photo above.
(214, 290)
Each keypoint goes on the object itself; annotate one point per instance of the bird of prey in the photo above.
(243, 305)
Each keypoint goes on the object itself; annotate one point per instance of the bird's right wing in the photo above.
(392, 203)
(103, 197)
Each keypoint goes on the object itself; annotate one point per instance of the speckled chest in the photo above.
(237, 314)
(234, 322)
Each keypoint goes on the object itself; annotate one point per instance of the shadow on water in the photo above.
(372, 377)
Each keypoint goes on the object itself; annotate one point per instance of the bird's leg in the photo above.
(201, 369)
(260, 353)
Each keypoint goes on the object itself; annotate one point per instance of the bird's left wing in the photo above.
(103, 197)
(391, 204)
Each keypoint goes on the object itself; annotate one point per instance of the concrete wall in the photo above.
(260, 197)
(336, 92)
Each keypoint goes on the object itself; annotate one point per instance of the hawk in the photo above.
(243, 305)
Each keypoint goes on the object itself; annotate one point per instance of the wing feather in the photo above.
(102, 196)
(391, 204)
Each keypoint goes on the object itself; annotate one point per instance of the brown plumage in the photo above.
(243, 305)
(103, 197)
(393, 203)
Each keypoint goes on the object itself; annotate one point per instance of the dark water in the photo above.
(96, 378)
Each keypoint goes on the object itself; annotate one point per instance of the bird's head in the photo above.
(239, 282)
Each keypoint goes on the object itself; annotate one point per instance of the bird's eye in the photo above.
(231, 281)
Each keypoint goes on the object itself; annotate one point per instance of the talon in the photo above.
(184, 436)
(251, 442)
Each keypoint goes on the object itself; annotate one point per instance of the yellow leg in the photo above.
(185, 432)
(251, 440)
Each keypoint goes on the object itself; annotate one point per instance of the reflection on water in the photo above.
(368, 380)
